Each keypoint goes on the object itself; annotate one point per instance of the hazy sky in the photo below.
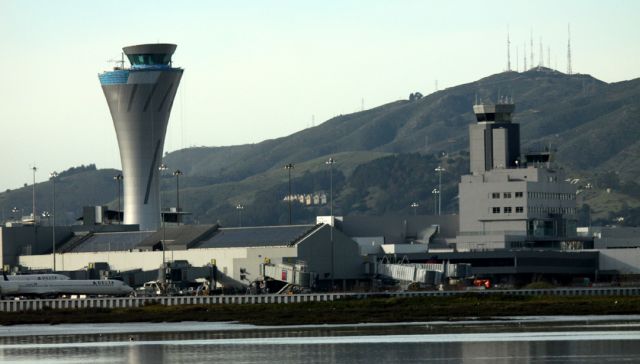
(257, 70)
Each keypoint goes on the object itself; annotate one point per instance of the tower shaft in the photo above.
(140, 100)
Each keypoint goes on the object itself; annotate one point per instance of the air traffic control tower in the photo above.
(140, 100)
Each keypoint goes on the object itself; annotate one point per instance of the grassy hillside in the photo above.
(593, 126)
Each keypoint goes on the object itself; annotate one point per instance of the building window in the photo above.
(507, 195)
(495, 210)
(495, 195)
(507, 210)
(518, 194)
(519, 209)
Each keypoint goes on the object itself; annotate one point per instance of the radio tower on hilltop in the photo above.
(541, 55)
(569, 70)
(531, 49)
(508, 51)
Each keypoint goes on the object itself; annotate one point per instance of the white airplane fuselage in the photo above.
(37, 277)
(50, 287)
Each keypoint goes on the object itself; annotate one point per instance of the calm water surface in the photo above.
(611, 340)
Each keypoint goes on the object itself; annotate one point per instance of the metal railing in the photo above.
(127, 302)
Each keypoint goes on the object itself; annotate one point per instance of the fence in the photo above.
(127, 302)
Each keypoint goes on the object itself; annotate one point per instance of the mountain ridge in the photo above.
(592, 125)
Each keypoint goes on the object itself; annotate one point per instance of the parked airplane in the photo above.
(37, 277)
(55, 287)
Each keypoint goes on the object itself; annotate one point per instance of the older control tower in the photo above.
(140, 100)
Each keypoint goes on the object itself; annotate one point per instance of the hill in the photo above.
(593, 126)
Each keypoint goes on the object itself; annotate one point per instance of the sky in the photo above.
(257, 70)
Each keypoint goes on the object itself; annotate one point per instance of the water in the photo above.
(523, 340)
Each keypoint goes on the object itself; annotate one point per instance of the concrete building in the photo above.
(511, 201)
(140, 100)
(238, 252)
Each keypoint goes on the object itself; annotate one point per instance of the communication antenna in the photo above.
(541, 56)
(549, 56)
(517, 60)
(524, 57)
(531, 48)
(118, 61)
(569, 70)
(508, 51)
(313, 121)
(362, 104)
(436, 85)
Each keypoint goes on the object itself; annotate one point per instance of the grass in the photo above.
(343, 311)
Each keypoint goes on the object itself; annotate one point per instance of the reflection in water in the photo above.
(414, 343)
(348, 351)
(459, 352)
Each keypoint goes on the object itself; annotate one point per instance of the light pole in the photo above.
(47, 215)
(53, 175)
(436, 194)
(163, 167)
(118, 179)
(33, 199)
(177, 173)
(415, 206)
(439, 169)
(289, 167)
(330, 162)
(239, 207)
(16, 210)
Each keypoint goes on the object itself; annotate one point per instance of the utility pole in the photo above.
(163, 167)
(289, 167)
(53, 176)
(177, 173)
(330, 162)
(33, 198)
(118, 179)
(439, 169)
(239, 207)
(415, 206)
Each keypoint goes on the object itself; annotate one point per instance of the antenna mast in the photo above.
(508, 51)
(549, 56)
(531, 48)
(541, 56)
(569, 70)
(524, 57)
(517, 59)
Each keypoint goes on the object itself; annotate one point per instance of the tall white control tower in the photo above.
(140, 100)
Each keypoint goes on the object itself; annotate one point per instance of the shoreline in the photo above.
(346, 312)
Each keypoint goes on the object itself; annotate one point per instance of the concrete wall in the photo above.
(316, 251)
(477, 199)
(625, 261)
(396, 229)
(15, 241)
(229, 260)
